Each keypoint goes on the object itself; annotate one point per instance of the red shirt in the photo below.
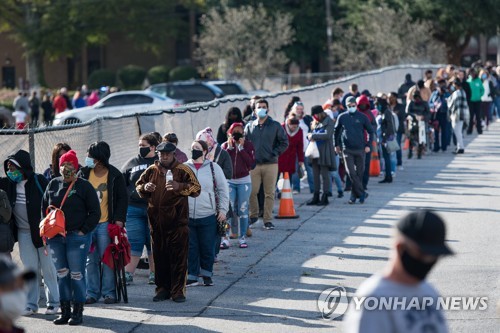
(60, 104)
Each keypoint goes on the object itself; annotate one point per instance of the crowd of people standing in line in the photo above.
(30, 110)
(170, 203)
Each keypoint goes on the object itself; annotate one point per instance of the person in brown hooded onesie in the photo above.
(168, 212)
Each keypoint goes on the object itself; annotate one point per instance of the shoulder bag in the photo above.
(54, 222)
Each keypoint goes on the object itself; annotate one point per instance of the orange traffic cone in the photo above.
(374, 162)
(287, 211)
(407, 144)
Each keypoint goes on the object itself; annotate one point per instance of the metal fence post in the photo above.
(31, 141)
(99, 129)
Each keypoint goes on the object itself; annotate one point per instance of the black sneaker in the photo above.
(253, 220)
(207, 281)
(269, 226)
(179, 299)
(192, 283)
(340, 194)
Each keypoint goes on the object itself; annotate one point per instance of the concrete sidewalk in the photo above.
(275, 283)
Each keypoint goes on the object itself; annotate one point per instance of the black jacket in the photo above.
(34, 194)
(269, 139)
(117, 193)
(350, 131)
(132, 171)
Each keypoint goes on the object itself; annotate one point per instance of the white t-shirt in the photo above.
(399, 320)
(20, 116)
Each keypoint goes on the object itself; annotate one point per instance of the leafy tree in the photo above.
(454, 22)
(362, 42)
(55, 28)
(247, 42)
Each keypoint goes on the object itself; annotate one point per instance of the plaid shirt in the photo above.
(458, 104)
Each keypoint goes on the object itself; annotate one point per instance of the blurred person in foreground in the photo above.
(419, 243)
(13, 296)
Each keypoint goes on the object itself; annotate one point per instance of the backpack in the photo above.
(6, 236)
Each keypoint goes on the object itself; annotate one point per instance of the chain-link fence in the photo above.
(122, 133)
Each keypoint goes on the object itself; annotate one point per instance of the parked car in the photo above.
(187, 91)
(118, 104)
(230, 87)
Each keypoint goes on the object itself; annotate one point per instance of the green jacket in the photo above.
(477, 89)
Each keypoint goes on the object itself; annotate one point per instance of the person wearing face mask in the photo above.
(221, 157)
(270, 141)
(168, 212)
(82, 213)
(486, 98)
(138, 231)
(419, 243)
(242, 155)
(477, 91)
(419, 112)
(205, 210)
(233, 115)
(109, 185)
(400, 111)
(25, 189)
(305, 121)
(59, 149)
(440, 117)
(459, 113)
(388, 133)
(12, 293)
(180, 156)
(293, 156)
(351, 142)
(364, 106)
(322, 134)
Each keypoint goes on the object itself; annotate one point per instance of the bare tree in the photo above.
(245, 42)
(384, 37)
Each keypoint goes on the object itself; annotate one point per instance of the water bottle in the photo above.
(169, 176)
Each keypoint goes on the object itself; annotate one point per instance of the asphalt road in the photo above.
(274, 284)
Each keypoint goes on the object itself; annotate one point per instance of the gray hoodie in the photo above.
(204, 205)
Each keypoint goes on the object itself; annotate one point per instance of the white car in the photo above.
(117, 104)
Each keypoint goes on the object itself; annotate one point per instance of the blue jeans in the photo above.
(239, 194)
(98, 285)
(309, 172)
(295, 178)
(443, 128)
(34, 258)
(336, 177)
(138, 230)
(69, 254)
(399, 153)
(394, 161)
(202, 236)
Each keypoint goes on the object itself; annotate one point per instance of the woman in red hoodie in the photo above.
(287, 161)
(242, 155)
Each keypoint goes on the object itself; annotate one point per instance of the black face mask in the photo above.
(363, 107)
(237, 136)
(415, 267)
(144, 151)
(196, 154)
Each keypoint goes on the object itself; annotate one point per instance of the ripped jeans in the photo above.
(239, 194)
(70, 255)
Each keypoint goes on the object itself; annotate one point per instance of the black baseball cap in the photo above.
(427, 229)
(166, 147)
(9, 271)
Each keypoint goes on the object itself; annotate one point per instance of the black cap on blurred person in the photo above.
(9, 271)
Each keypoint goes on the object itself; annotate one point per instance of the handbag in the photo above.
(392, 145)
(222, 226)
(312, 150)
(54, 223)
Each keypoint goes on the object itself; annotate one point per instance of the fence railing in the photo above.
(122, 133)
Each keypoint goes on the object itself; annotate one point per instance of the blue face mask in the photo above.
(351, 109)
(16, 176)
(89, 162)
(484, 76)
(261, 113)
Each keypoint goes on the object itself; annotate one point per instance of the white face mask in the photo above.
(12, 304)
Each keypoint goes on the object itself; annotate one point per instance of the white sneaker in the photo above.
(29, 312)
(51, 310)
(401, 168)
